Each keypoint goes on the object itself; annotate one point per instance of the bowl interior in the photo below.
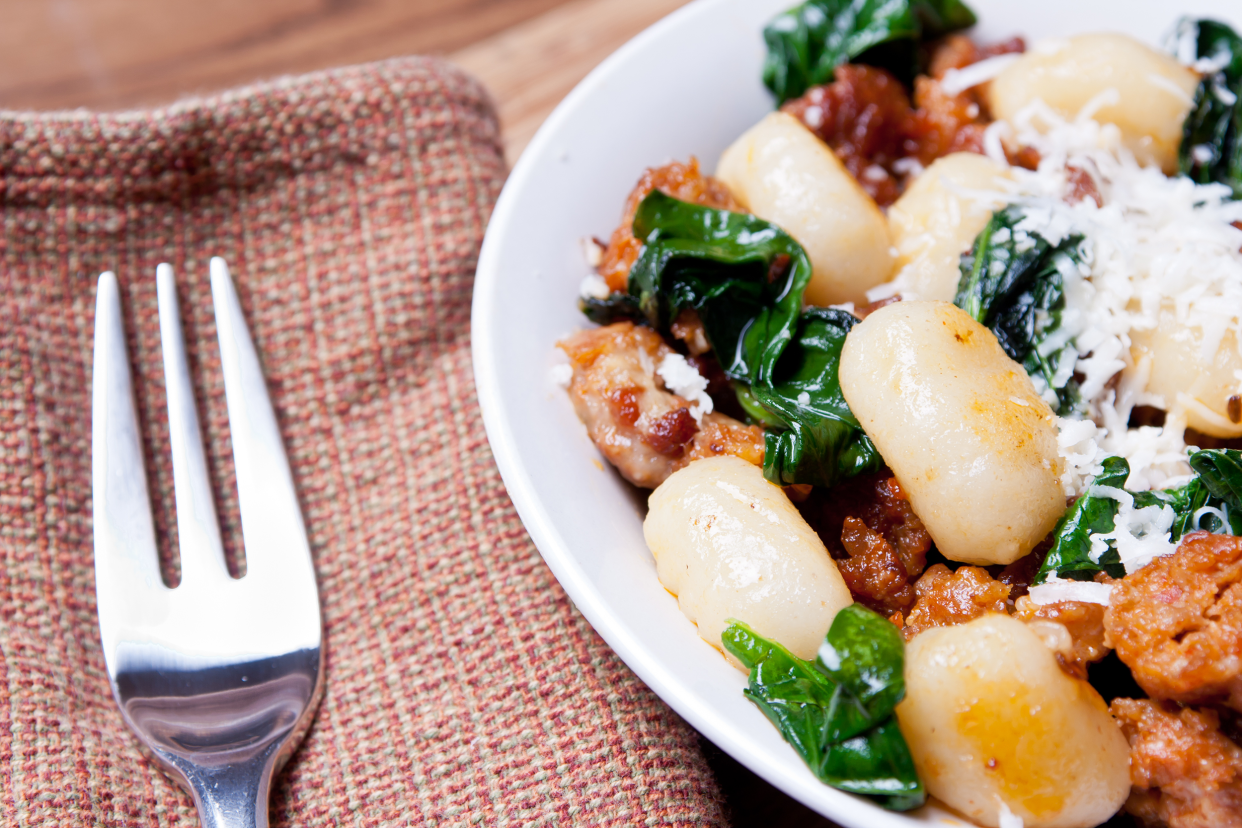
(687, 86)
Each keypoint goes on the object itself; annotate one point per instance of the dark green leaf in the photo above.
(865, 652)
(1070, 554)
(754, 409)
(1210, 150)
(1012, 283)
(619, 307)
(745, 278)
(806, 705)
(808, 42)
(1215, 490)
(876, 763)
(819, 441)
(838, 714)
(1221, 472)
(939, 17)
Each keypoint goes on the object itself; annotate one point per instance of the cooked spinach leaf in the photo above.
(819, 440)
(1221, 473)
(806, 43)
(864, 651)
(745, 278)
(1215, 490)
(837, 711)
(876, 763)
(1090, 515)
(1013, 282)
(1210, 150)
(618, 307)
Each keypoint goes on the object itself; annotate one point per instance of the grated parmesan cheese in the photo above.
(957, 81)
(594, 287)
(1055, 590)
(684, 380)
(592, 251)
(562, 374)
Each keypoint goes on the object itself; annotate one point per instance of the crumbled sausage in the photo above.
(878, 501)
(1020, 574)
(1185, 773)
(689, 329)
(681, 181)
(1083, 621)
(946, 598)
(865, 115)
(862, 115)
(873, 571)
(641, 428)
(721, 434)
(884, 550)
(1177, 622)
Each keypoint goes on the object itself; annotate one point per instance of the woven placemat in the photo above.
(462, 687)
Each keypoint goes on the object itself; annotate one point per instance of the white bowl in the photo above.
(687, 86)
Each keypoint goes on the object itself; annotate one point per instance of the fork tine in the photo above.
(198, 531)
(272, 527)
(126, 559)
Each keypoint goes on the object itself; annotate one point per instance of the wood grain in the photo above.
(530, 67)
(124, 53)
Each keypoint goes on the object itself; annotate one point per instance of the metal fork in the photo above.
(218, 677)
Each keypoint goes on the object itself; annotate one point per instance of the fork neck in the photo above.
(231, 795)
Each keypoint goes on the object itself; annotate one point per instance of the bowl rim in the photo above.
(848, 810)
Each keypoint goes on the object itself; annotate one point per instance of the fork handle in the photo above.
(234, 794)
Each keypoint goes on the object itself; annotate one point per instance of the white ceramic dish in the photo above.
(687, 86)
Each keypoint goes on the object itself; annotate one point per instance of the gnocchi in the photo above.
(1206, 393)
(961, 426)
(991, 719)
(1147, 94)
(937, 219)
(782, 173)
(729, 544)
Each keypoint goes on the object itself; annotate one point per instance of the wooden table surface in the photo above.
(111, 54)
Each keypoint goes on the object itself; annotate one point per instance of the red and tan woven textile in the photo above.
(462, 688)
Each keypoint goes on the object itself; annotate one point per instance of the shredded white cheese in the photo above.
(1140, 535)
(1157, 244)
(1055, 590)
(684, 380)
(957, 81)
(594, 287)
(592, 251)
(561, 374)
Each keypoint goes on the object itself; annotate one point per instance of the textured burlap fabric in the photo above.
(462, 688)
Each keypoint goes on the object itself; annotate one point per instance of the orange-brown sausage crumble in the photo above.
(1083, 621)
(945, 598)
(866, 116)
(1185, 773)
(1177, 622)
(643, 429)
(879, 543)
